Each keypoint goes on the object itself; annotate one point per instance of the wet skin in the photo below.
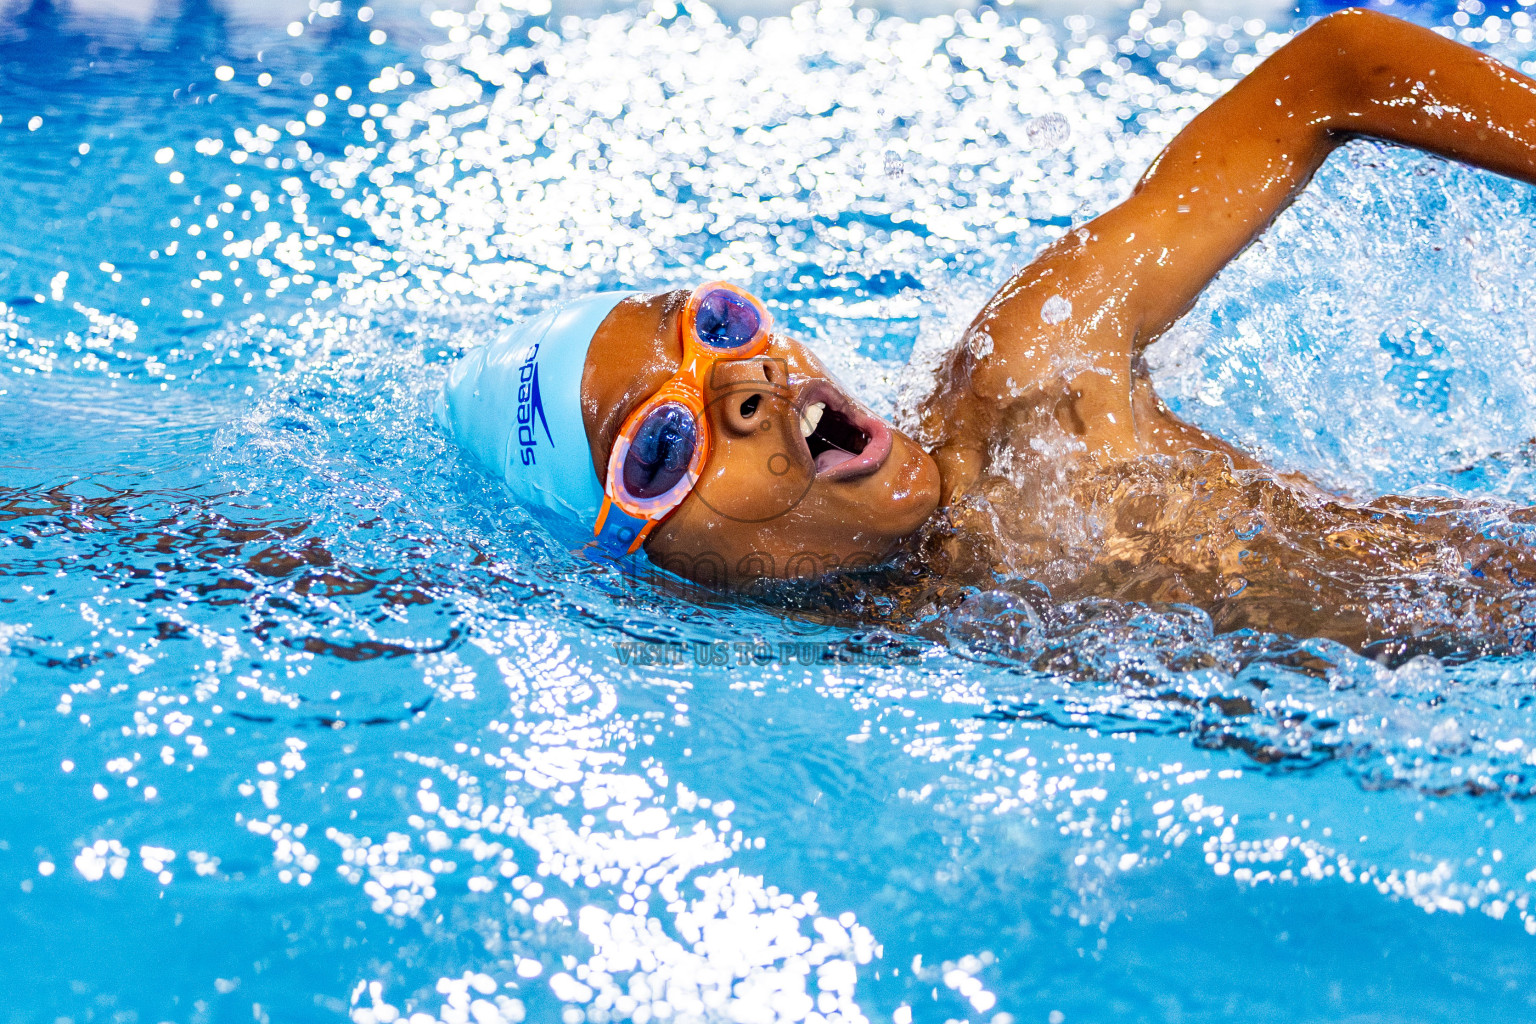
(1053, 362)
(763, 506)
(1128, 275)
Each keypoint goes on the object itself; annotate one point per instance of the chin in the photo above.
(908, 491)
(860, 523)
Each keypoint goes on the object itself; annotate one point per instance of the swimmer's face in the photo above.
(801, 478)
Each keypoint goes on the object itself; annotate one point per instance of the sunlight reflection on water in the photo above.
(304, 721)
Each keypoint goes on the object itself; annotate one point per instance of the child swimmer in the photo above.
(681, 426)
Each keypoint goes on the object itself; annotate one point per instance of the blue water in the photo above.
(304, 722)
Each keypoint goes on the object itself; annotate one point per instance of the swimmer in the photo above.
(682, 428)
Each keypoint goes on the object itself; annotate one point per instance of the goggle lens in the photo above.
(663, 444)
(660, 453)
(726, 320)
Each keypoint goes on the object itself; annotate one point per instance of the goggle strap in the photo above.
(619, 533)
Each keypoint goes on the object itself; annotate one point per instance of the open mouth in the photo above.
(844, 441)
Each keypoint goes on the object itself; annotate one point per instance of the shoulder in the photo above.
(1055, 338)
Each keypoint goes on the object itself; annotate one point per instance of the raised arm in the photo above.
(1240, 162)
(1102, 292)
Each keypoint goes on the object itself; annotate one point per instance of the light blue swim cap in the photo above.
(515, 405)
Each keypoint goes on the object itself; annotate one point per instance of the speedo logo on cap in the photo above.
(530, 407)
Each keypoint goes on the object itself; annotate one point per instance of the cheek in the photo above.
(756, 479)
(755, 513)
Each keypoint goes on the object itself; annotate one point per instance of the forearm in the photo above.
(1402, 83)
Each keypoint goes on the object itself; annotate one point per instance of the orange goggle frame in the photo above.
(626, 519)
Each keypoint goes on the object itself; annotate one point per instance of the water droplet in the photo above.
(1048, 131)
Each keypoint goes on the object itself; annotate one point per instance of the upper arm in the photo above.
(1226, 176)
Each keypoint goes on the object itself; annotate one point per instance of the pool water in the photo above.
(304, 721)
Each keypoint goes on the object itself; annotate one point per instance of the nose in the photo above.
(746, 392)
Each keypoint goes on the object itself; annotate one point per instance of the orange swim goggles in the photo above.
(663, 444)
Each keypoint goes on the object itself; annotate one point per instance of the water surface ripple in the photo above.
(304, 721)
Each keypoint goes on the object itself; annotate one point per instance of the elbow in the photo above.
(1350, 51)
(1344, 38)
(1349, 30)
